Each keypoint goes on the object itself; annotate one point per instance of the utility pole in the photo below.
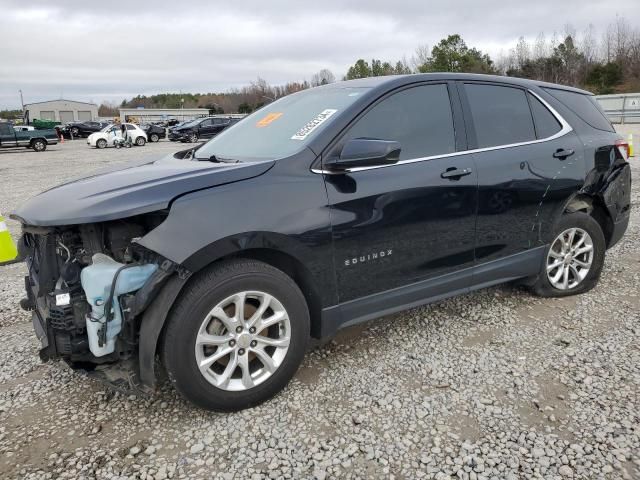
(22, 104)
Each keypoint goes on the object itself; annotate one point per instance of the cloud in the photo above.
(106, 50)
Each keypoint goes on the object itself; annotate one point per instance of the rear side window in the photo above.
(584, 106)
(501, 115)
(547, 124)
(419, 118)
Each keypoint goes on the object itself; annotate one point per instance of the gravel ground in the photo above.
(493, 385)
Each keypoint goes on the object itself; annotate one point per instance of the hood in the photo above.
(130, 189)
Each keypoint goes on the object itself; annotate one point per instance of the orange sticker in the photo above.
(268, 119)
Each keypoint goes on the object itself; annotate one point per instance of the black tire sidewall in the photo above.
(101, 143)
(572, 220)
(185, 321)
(140, 141)
(154, 138)
(39, 142)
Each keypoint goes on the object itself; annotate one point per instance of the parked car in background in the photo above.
(323, 209)
(12, 137)
(201, 128)
(82, 129)
(111, 133)
(154, 132)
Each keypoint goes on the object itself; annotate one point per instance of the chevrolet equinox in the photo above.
(325, 208)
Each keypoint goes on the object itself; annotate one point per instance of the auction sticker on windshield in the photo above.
(313, 124)
(268, 119)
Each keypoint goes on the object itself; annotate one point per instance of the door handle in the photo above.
(453, 173)
(561, 153)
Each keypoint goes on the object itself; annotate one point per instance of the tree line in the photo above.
(606, 63)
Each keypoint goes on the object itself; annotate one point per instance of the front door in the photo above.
(206, 129)
(413, 221)
(7, 135)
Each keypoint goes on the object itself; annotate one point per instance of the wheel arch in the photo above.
(153, 323)
(595, 207)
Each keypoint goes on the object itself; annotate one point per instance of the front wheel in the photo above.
(193, 137)
(101, 143)
(154, 138)
(574, 259)
(236, 336)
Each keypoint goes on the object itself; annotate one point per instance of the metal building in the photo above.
(61, 110)
(622, 107)
(145, 115)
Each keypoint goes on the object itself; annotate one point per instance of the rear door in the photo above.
(412, 221)
(529, 163)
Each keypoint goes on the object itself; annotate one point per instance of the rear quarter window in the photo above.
(546, 124)
(584, 106)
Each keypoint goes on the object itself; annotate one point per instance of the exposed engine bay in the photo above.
(87, 286)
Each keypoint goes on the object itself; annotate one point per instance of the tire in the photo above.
(39, 145)
(189, 319)
(101, 143)
(140, 141)
(154, 138)
(579, 279)
(193, 137)
(75, 131)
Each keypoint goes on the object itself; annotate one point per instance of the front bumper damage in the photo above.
(60, 311)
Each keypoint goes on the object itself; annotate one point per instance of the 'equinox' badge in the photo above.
(368, 257)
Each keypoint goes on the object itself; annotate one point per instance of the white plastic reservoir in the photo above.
(96, 281)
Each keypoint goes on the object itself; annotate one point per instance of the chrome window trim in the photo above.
(566, 128)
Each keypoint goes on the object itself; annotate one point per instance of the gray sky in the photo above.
(96, 50)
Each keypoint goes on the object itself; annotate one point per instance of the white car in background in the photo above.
(108, 135)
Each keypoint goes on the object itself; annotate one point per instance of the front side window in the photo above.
(419, 118)
(130, 127)
(501, 115)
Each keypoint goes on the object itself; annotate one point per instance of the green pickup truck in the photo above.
(36, 139)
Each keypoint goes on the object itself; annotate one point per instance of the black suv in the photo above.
(325, 208)
(202, 128)
(82, 129)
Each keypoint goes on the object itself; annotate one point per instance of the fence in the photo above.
(621, 108)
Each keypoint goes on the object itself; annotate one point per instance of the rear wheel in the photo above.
(101, 143)
(236, 336)
(154, 138)
(574, 259)
(39, 145)
(140, 141)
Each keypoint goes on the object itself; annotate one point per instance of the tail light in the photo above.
(623, 147)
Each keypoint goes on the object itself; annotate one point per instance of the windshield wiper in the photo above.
(215, 159)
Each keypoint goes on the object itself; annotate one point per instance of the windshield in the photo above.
(281, 128)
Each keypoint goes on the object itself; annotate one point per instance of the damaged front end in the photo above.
(87, 287)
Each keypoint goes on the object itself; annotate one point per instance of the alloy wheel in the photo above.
(243, 340)
(569, 259)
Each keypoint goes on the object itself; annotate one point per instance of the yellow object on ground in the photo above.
(8, 250)
(630, 142)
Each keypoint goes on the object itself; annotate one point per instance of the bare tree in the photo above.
(421, 56)
(322, 77)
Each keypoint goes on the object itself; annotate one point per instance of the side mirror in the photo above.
(365, 152)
